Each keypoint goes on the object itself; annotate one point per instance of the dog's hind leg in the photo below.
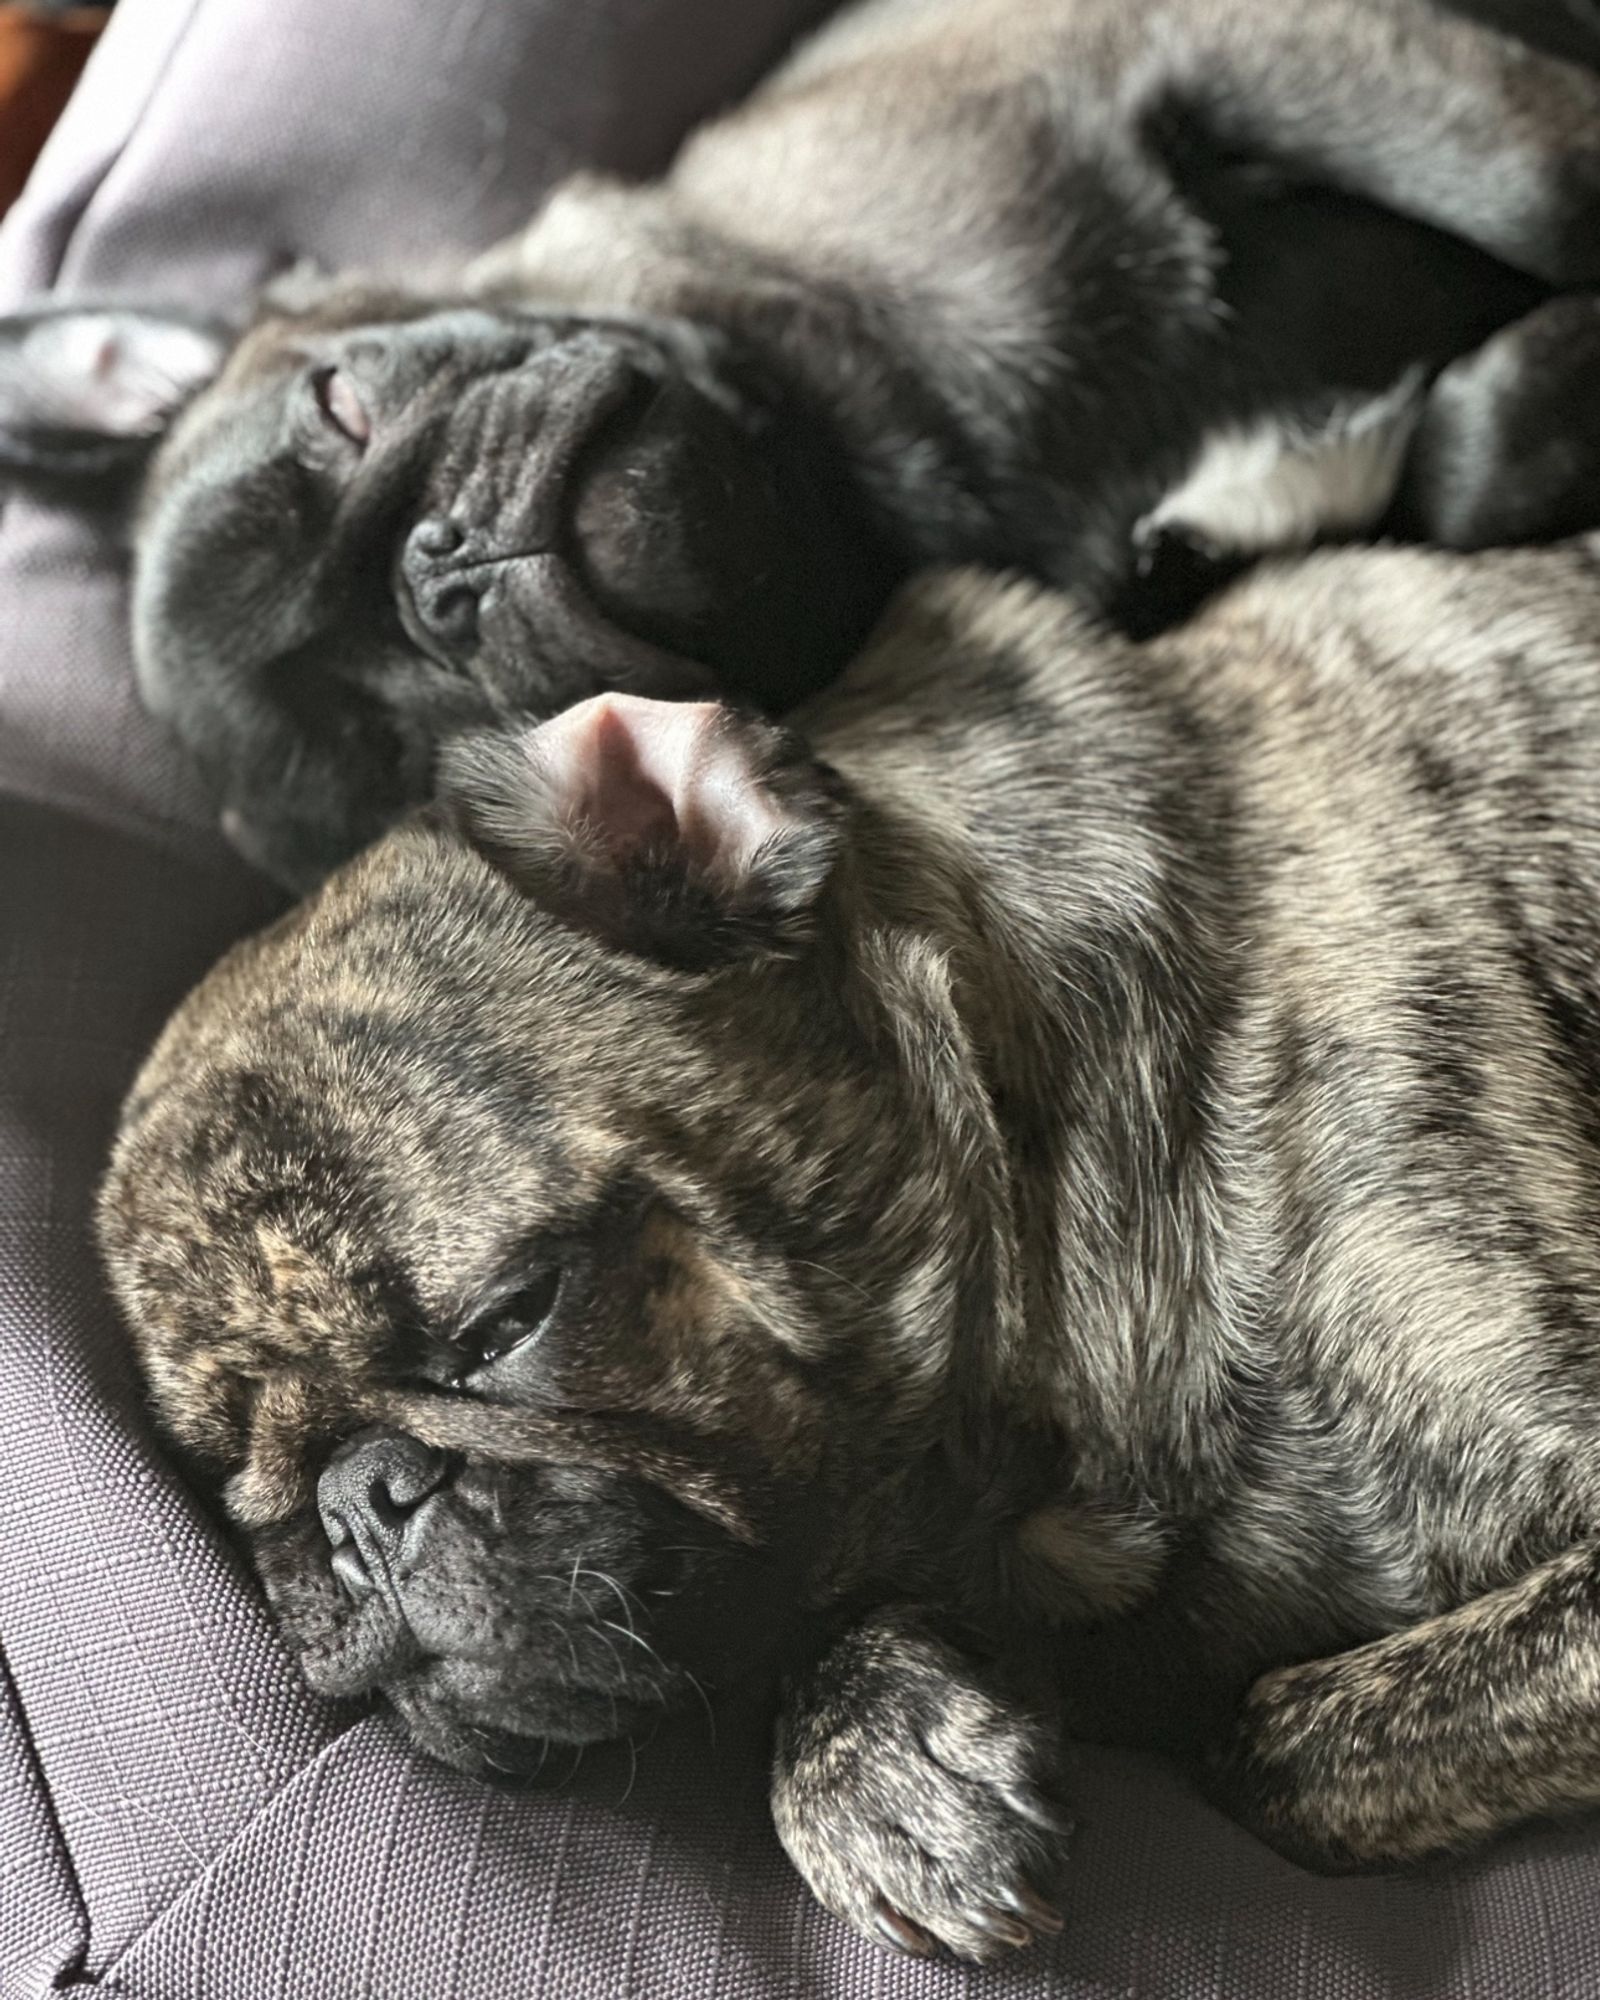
(1430, 115)
(1431, 1738)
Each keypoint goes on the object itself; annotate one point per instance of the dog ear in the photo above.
(683, 831)
(87, 391)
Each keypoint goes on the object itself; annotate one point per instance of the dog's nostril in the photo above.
(442, 600)
(400, 1484)
(371, 1488)
(437, 535)
(453, 613)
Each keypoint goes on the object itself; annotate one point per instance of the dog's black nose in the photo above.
(440, 584)
(372, 1490)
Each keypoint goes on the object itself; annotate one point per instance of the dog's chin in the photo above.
(491, 1726)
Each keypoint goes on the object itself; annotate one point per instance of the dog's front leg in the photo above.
(914, 1793)
(1433, 1737)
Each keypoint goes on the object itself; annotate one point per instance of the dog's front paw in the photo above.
(914, 1797)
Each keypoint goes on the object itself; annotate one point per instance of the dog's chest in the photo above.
(1293, 1528)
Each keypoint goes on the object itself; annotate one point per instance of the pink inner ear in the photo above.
(662, 776)
(614, 789)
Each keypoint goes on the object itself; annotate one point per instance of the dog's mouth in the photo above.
(509, 1726)
(487, 1656)
(503, 1612)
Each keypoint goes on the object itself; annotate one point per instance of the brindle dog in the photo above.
(967, 281)
(1060, 1201)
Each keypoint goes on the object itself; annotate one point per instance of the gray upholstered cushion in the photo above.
(179, 1820)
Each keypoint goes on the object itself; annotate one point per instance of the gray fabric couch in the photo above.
(179, 1819)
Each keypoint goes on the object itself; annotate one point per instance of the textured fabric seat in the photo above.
(179, 1819)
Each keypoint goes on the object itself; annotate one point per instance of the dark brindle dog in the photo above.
(970, 280)
(1064, 1199)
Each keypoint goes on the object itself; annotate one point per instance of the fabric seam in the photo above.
(63, 1851)
(91, 194)
(108, 1973)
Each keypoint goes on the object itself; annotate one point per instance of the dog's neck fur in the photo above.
(1034, 943)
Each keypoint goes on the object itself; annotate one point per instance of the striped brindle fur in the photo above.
(1073, 1183)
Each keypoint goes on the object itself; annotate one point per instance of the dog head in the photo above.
(371, 519)
(543, 1236)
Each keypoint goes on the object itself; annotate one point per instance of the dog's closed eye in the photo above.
(341, 406)
(512, 1323)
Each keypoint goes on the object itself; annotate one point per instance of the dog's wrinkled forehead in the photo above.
(261, 453)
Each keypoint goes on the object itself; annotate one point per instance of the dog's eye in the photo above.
(341, 406)
(514, 1321)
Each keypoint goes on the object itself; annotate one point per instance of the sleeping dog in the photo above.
(968, 280)
(1056, 1200)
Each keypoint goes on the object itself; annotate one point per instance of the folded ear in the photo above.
(679, 830)
(86, 391)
